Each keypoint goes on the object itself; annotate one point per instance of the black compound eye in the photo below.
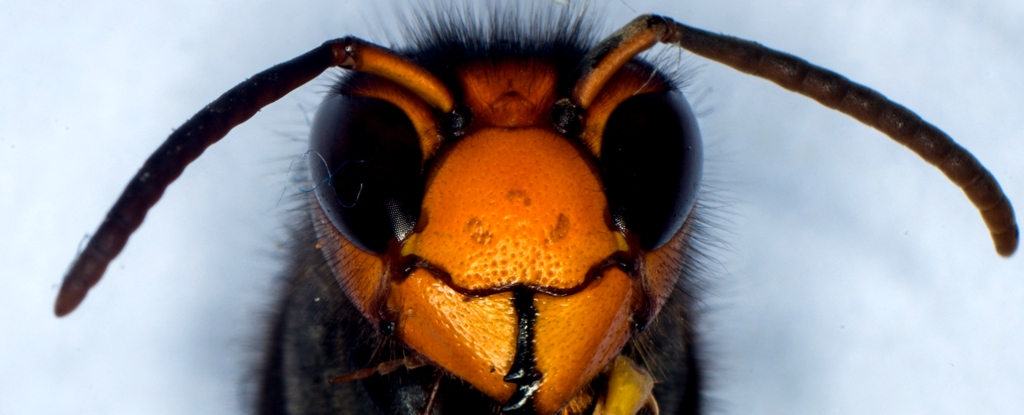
(365, 162)
(652, 159)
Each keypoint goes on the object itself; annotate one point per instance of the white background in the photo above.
(858, 280)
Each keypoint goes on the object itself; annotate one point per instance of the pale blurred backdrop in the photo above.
(857, 279)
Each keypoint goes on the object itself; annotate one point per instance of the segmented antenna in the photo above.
(211, 124)
(182, 147)
(828, 88)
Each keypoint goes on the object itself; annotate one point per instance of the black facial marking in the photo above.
(567, 117)
(456, 121)
(524, 365)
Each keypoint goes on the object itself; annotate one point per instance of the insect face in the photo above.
(491, 249)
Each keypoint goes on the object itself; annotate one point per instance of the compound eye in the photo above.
(365, 162)
(652, 159)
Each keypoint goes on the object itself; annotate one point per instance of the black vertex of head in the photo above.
(447, 35)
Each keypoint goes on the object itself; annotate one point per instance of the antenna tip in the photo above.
(71, 294)
(1006, 242)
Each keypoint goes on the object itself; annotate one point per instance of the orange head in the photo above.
(497, 241)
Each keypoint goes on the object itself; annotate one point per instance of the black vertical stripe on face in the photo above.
(524, 366)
